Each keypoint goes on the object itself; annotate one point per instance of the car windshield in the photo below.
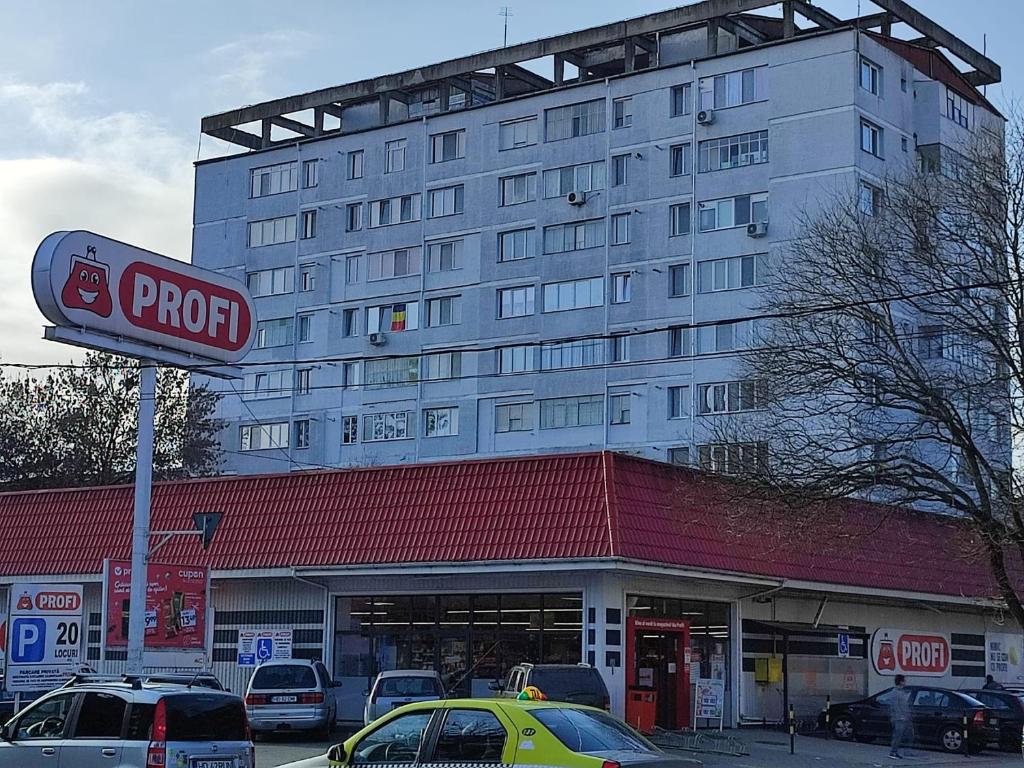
(567, 681)
(582, 730)
(283, 676)
(408, 686)
(205, 717)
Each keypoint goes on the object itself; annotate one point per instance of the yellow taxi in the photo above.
(501, 732)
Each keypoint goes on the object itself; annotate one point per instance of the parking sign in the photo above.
(844, 646)
(44, 641)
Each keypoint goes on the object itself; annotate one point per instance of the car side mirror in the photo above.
(336, 754)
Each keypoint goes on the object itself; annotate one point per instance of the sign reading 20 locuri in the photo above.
(84, 280)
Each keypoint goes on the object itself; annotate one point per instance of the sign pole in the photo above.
(140, 525)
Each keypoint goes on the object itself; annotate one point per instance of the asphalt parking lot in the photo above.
(279, 750)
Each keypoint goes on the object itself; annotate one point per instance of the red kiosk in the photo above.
(657, 673)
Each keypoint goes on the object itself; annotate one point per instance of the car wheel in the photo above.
(842, 728)
(952, 739)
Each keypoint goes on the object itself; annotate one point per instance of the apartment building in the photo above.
(476, 259)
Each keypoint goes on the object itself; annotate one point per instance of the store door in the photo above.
(453, 663)
(658, 658)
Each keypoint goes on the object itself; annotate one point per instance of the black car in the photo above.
(571, 683)
(1008, 708)
(937, 716)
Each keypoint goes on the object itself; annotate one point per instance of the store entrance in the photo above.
(657, 668)
(658, 660)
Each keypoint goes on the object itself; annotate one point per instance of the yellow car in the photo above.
(505, 732)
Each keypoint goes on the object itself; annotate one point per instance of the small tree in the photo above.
(78, 426)
(891, 363)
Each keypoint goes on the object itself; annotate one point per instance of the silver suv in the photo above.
(292, 695)
(129, 724)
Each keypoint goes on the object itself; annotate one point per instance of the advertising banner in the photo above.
(909, 652)
(1004, 658)
(175, 606)
(709, 702)
(44, 639)
(256, 646)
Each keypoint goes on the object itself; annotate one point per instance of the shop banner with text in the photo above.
(1004, 657)
(176, 601)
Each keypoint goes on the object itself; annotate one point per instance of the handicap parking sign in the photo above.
(28, 640)
(264, 648)
(844, 646)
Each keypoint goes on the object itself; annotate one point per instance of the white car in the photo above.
(401, 686)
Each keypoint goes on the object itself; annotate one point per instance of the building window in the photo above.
(378, 427)
(260, 437)
(930, 342)
(562, 412)
(307, 277)
(585, 177)
(680, 456)
(302, 376)
(352, 269)
(305, 328)
(726, 336)
(310, 173)
(621, 287)
(446, 310)
(272, 231)
(444, 257)
(273, 179)
(574, 294)
(679, 402)
(870, 138)
(734, 151)
(265, 385)
(958, 109)
(575, 236)
(571, 354)
(680, 342)
(308, 224)
(733, 88)
(515, 302)
(517, 133)
(513, 417)
(442, 365)
(394, 156)
(447, 201)
(574, 120)
(516, 244)
(680, 159)
(733, 212)
(727, 274)
(274, 333)
(350, 374)
(393, 317)
(271, 282)
(622, 112)
(387, 264)
(733, 458)
(680, 219)
(448, 146)
(394, 210)
(619, 343)
(620, 228)
(391, 372)
(441, 422)
(349, 430)
(682, 100)
(620, 170)
(355, 164)
(350, 322)
(870, 76)
(302, 433)
(518, 359)
(618, 408)
(521, 188)
(679, 280)
(353, 217)
(731, 397)
(870, 199)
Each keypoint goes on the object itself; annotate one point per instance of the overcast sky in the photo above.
(101, 100)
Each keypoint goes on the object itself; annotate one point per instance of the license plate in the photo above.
(283, 699)
(212, 762)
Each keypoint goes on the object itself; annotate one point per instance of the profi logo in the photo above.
(65, 602)
(88, 285)
(895, 651)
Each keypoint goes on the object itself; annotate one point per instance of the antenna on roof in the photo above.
(506, 12)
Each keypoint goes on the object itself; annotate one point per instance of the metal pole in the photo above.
(140, 525)
(828, 716)
(792, 731)
(967, 751)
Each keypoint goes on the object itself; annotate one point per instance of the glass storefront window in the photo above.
(709, 629)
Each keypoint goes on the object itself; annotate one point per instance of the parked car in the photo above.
(502, 731)
(397, 687)
(291, 695)
(1008, 708)
(572, 683)
(937, 716)
(129, 724)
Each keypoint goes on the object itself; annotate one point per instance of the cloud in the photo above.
(248, 65)
(66, 164)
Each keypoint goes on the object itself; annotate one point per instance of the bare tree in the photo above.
(890, 364)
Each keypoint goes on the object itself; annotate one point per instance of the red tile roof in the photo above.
(566, 506)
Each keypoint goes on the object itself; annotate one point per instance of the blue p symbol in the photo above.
(29, 637)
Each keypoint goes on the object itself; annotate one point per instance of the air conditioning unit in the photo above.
(706, 116)
(757, 229)
(576, 198)
(378, 339)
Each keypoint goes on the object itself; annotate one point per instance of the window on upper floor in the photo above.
(622, 112)
(441, 422)
(727, 274)
(574, 294)
(521, 188)
(273, 179)
(620, 170)
(310, 173)
(308, 224)
(516, 244)
(350, 322)
(563, 412)
(679, 402)
(620, 228)
(727, 336)
(271, 282)
(517, 359)
(680, 456)
(394, 210)
(447, 146)
(870, 199)
(394, 155)
(958, 108)
(349, 430)
(574, 120)
(447, 201)
(574, 236)
(516, 302)
(352, 269)
(302, 433)
(681, 100)
(733, 89)
(305, 328)
(274, 333)
(732, 212)
(680, 159)
(266, 385)
(731, 397)
(442, 365)
(302, 380)
(571, 354)
(619, 347)
(619, 407)
(445, 256)
(353, 217)
(733, 458)
(870, 138)
(513, 417)
(260, 437)
(394, 425)
(622, 287)
(679, 217)
(444, 310)
(355, 164)
(397, 263)
(402, 316)
(930, 342)
(733, 151)
(391, 372)
(870, 76)
(585, 177)
(679, 280)
(513, 134)
(307, 277)
(272, 231)
(680, 342)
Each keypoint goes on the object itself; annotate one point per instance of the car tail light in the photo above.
(311, 698)
(256, 698)
(157, 752)
(610, 764)
(979, 717)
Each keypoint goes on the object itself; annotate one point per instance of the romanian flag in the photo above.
(398, 317)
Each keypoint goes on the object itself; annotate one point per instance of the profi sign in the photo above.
(84, 280)
(907, 652)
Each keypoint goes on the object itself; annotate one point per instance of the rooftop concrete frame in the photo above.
(632, 42)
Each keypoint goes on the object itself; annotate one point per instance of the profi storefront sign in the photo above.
(909, 652)
(86, 281)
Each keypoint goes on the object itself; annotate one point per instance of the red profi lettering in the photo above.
(923, 653)
(170, 303)
(58, 601)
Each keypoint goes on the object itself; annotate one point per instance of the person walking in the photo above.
(899, 717)
(991, 684)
